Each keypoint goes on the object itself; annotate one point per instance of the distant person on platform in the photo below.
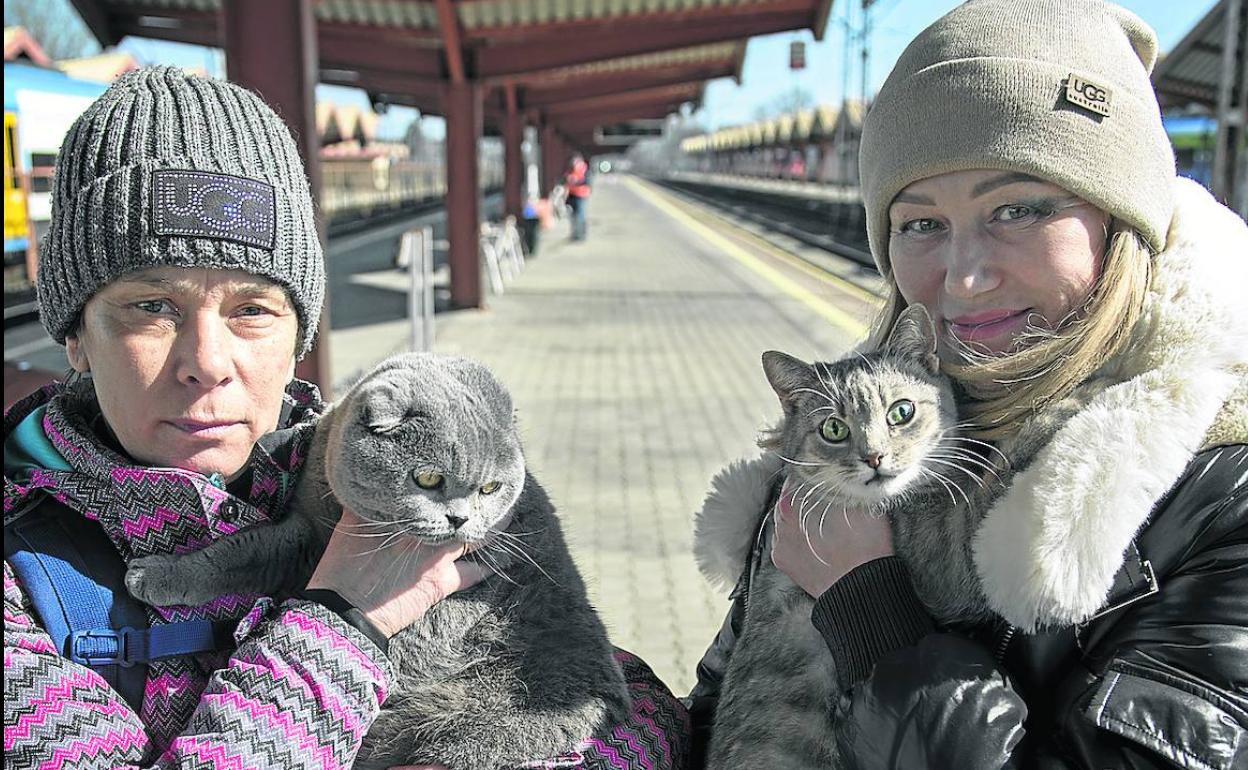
(576, 180)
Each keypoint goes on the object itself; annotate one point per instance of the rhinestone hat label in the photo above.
(207, 205)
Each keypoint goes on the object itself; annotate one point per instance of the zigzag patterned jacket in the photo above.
(302, 687)
(300, 690)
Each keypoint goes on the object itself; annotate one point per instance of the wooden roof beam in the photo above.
(622, 82)
(678, 93)
(340, 47)
(624, 26)
(383, 82)
(606, 117)
(448, 23)
(517, 59)
(350, 50)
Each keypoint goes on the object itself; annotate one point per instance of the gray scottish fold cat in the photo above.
(515, 669)
(875, 432)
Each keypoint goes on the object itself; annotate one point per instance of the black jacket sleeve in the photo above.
(1160, 683)
(703, 698)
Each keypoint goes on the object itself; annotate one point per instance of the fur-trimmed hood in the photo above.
(1050, 547)
(1048, 550)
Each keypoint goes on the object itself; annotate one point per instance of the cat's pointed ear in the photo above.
(914, 336)
(786, 374)
(384, 409)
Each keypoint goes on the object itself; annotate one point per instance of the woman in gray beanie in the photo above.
(182, 271)
(1094, 612)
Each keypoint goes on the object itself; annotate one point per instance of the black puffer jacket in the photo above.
(1117, 562)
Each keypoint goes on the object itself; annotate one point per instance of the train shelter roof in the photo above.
(1192, 71)
(565, 61)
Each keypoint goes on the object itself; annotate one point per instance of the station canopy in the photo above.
(1192, 72)
(576, 64)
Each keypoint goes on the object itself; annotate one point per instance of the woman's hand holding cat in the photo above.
(816, 550)
(396, 584)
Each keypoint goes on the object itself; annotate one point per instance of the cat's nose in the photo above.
(456, 521)
(874, 459)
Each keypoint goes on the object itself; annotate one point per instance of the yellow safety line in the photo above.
(827, 311)
(790, 259)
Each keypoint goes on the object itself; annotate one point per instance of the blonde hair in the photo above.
(1004, 390)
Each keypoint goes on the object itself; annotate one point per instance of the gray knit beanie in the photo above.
(171, 169)
(1054, 88)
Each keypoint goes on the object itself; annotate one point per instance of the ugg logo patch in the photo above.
(1087, 94)
(207, 205)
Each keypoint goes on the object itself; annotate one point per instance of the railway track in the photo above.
(838, 228)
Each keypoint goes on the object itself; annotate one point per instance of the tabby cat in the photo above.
(875, 432)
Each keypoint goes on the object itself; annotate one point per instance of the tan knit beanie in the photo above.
(1054, 88)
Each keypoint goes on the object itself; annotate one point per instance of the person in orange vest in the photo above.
(576, 179)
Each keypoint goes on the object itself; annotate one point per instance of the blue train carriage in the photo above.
(39, 106)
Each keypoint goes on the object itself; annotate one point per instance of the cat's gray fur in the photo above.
(780, 689)
(517, 668)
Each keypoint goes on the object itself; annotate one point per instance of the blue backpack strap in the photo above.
(76, 581)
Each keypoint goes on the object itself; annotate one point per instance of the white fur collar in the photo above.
(723, 530)
(1049, 549)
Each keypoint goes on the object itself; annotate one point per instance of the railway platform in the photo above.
(634, 362)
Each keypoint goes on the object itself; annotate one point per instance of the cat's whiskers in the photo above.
(825, 383)
(800, 462)
(816, 393)
(810, 492)
(515, 549)
(829, 496)
(933, 458)
(942, 481)
(956, 487)
(810, 545)
(493, 564)
(956, 453)
(985, 444)
(390, 539)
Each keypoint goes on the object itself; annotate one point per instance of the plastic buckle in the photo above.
(120, 657)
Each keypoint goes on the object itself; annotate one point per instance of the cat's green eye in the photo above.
(901, 412)
(490, 488)
(834, 430)
(430, 480)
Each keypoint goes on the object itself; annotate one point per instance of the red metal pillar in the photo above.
(270, 47)
(513, 162)
(463, 129)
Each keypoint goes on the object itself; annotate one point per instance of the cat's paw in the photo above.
(155, 580)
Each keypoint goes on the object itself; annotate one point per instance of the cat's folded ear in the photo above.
(786, 374)
(914, 336)
(383, 408)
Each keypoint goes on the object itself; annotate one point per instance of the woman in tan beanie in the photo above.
(1019, 185)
